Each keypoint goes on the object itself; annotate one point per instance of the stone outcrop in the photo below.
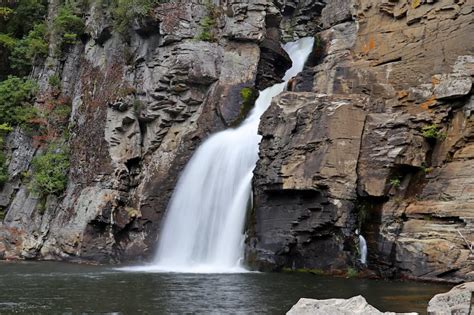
(459, 300)
(400, 70)
(354, 305)
(305, 179)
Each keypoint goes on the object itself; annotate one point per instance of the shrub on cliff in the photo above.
(50, 171)
(68, 26)
(126, 11)
(16, 100)
(208, 23)
(30, 48)
(4, 130)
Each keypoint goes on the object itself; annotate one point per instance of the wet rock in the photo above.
(459, 300)
(274, 62)
(354, 305)
(299, 18)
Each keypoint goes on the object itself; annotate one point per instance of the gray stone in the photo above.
(453, 86)
(356, 305)
(459, 300)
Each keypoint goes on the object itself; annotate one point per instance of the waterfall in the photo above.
(362, 249)
(204, 222)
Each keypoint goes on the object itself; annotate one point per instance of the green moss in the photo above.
(50, 171)
(248, 97)
(352, 273)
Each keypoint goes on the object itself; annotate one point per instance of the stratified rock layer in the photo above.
(354, 150)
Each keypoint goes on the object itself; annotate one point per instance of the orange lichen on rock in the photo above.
(435, 81)
(428, 103)
(370, 45)
(402, 94)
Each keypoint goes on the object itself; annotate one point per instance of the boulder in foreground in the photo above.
(354, 305)
(459, 300)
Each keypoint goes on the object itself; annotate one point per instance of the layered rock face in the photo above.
(142, 102)
(350, 147)
(375, 134)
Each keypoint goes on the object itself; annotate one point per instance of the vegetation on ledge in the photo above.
(51, 170)
(16, 100)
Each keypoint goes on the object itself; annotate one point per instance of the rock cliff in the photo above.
(375, 134)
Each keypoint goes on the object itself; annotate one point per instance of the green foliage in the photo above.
(24, 16)
(68, 26)
(4, 130)
(22, 35)
(16, 98)
(61, 112)
(28, 49)
(50, 171)
(352, 273)
(54, 81)
(395, 182)
(7, 41)
(208, 23)
(433, 132)
(126, 11)
(5, 13)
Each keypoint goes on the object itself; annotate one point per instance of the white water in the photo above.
(203, 228)
(362, 249)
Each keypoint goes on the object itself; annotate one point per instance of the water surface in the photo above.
(59, 288)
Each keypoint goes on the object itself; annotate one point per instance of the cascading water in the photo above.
(203, 228)
(362, 248)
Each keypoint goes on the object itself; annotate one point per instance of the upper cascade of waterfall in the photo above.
(203, 229)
